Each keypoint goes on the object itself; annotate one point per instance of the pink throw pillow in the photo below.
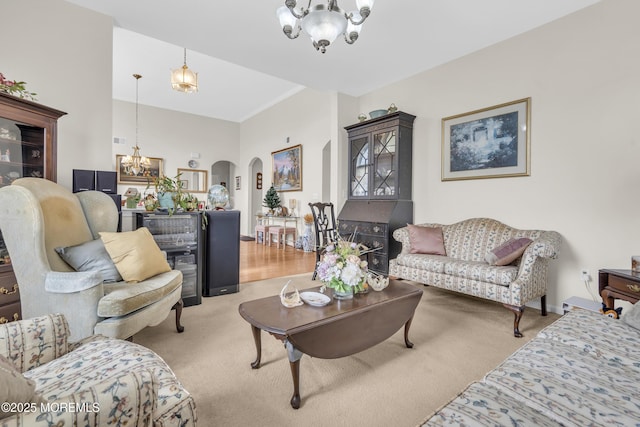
(426, 240)
(508, 251)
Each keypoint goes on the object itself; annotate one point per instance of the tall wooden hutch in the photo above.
(28, 132)
(380, 175)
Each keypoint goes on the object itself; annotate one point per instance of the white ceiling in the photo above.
(246, 64)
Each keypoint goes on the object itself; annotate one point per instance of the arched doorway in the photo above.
(221, 173)
(255, 194)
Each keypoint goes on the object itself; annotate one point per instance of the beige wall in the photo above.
(304, 118)
(173, 136)
(582, 73)
(64, 53)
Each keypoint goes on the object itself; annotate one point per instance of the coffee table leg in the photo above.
(294, 362)
(257, 338)
(295, 374)
(407, 325)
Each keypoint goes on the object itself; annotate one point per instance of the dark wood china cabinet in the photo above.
(28, 132)
(380, 187)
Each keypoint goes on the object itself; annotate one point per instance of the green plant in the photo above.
(164, 184)
(16, 88)
(271, 199)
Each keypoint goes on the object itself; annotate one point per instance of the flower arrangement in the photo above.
(341, 268)
(15, 88)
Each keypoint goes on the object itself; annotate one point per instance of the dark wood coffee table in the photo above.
(339, 329)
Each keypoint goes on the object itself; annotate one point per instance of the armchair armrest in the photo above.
(130, 399)
(70, 282)
(76, 295)
(33, 342)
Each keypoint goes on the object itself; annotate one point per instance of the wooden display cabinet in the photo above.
(28, 134)
(380, 155)
(379, 202)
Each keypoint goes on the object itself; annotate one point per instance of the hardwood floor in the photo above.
(258, 262)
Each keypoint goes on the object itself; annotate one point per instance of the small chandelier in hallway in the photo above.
(136, 164)
(183, 79)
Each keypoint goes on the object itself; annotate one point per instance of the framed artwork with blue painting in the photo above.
(493, 142)
(286, 172)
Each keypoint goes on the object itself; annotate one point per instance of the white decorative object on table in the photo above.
(289, 296)
(377, 281)
(315, 299)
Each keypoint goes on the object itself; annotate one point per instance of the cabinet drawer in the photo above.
(373, 242)
(9, 292)
(378, 262)
(629, 287)
(10, 312)
(360, 227)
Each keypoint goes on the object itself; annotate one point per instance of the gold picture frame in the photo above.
(142, 178)
(493, 142)
(286, 169)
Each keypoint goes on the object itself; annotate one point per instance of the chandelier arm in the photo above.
(291, 4)
(288, 31)
(364, 13)
(351, 38)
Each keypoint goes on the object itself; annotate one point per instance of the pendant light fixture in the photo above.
(183, 79)
(135, 164)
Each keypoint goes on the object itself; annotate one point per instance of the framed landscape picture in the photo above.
(287, 169)
(142, 178)
(489, 143)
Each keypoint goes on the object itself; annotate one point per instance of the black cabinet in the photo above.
(222, 274)
(380, 155)
(380, 189)
(181, 236)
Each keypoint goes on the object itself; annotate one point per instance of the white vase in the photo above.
(308, 241)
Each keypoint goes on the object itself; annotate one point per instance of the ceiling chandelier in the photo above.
(183, 79)
(323, 23)
(136, 164)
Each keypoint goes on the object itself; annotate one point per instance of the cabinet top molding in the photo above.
(401, 115)
(30, 106)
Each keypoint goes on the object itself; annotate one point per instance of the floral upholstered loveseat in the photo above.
(98, 381)
(582, 370)
(463, 267)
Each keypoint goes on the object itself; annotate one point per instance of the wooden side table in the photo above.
(618, 284)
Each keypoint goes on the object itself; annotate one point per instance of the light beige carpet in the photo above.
(458, 339)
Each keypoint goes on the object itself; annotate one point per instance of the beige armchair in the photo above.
(36, 217)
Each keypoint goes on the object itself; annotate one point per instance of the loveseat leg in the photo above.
(543, 305)
(517, 311)
(178, 307)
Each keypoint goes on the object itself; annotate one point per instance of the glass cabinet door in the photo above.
(360, 165)
(22, 149)
(384, 164)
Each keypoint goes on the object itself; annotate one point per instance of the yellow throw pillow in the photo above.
(135, 254)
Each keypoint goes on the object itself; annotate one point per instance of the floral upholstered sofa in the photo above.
(47, 381)
(582, 370)
(461, 265)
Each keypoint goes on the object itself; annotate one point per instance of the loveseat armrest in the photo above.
(402, 235)
(33, 342)
(546, 246)
(130, 399)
